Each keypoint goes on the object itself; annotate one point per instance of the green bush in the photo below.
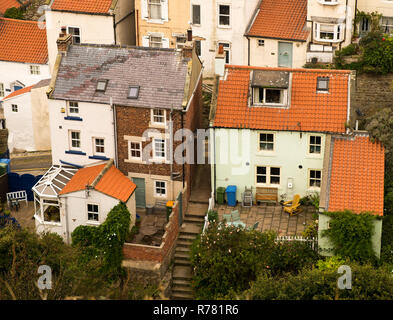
(387, 240)
(212, 216)
(14, 13)
(368, 283)
(106, 241)
(227, 259)
(351, 235)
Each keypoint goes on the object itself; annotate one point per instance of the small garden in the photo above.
(235, 263)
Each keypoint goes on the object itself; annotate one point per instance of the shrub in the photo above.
(212, 216)
(368, 283)
(330, 263)
(14, 13)
(227, 259)
(311, 231)
(105, 241)
(351, 235)
(387, 240)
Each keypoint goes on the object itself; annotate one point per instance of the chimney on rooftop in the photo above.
(189, 45)
(64, 41)
(219, 62)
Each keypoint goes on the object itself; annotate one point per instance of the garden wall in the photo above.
(371, 93)
(162, 254)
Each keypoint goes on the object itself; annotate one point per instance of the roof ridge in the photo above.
(305, 70)
(102, 173)
(19, 20)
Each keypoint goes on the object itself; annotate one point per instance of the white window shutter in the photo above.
(145, 41)
(144, 10)
(165, 42)
(164, 8)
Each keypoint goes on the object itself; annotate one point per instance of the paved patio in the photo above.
(25, 215)
(271, 217)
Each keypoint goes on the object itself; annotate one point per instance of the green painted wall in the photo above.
(237, 155)
(325, 245)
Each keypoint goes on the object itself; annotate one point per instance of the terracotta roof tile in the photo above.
(308, 110)
(6, 4)
(22, 41)
(357, 175)
(18, 92)
(88, 6)
(113, 183)
(281, 19)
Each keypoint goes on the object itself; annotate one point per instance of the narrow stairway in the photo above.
(182, 273)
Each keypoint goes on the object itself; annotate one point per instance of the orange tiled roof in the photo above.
(22, 41)
(18, 92)
(88, 6)
(281, 19)
(6, 4)
(308, 110)
(113, 183)
(356, 175)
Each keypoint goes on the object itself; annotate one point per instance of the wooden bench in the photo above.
(17, 195)
(266, 195)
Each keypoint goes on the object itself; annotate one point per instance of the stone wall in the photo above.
(369, 94)
(3, 140)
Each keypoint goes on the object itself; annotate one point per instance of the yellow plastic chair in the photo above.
(292, 206)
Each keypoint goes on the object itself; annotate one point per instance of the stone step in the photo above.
(181, 289)
(182, 283)
(190, 228)
(182, 255)
(183, 243)
(182, 263)
(187, 237)
(184, 249)
(194, 219)
(181, 273)
(182, 296)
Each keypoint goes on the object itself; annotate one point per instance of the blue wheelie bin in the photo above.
(231, 195)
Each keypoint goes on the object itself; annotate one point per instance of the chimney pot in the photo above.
(189, 34)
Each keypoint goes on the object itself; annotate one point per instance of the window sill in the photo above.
(93, 223)
(265, 153)
(159, 161)
(75, 152)
(224, 27)
(73, 118)
(140, 161)
(99, 157)
(158, 125)
(314, 156)
(48, 223)
(156, 21)
(276, 186)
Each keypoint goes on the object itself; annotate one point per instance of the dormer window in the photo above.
(269, 96)
(101, 85)
(270, 88)
(323, 84)
(133, 92)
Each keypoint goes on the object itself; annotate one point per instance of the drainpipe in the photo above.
(113, 107)
(182, 141)
(68, 240)
(214, 166)
(137, 27)
(114, 28)
(248, 49)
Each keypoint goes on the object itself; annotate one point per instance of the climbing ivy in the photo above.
(105, 242)
(351, 235)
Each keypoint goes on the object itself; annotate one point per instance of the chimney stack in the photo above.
(189, 45)
(219, 62)
(64, 41)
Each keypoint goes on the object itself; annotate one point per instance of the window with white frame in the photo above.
(99, 145)
(75, 139)
(35, 70)
(196, 14)
(76, 34)
(387, 24)
(159, 148)
(160, 188)
(135, 150)
(92, 212)
(14, 108)
(315, 144)
(269, 96)
(227, 50)
(315, 178)
(2, 90)
(268, 175)
(329, 32)
(154, 9)
(155, 41)
(224, 15)
(73, 108)
(266, 141)
(180, 41)
(158, 116)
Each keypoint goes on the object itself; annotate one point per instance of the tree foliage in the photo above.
(14, 13)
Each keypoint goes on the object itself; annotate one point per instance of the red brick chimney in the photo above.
(64, 41)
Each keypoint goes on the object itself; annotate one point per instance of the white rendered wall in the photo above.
(19, 124)
(97, 121)
(95, 29)
(384, 7)
(12, 71)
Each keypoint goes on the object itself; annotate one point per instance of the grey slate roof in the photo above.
(160, 73)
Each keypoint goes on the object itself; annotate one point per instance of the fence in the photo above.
(313, 242)
(211, 207)
(25, 182)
